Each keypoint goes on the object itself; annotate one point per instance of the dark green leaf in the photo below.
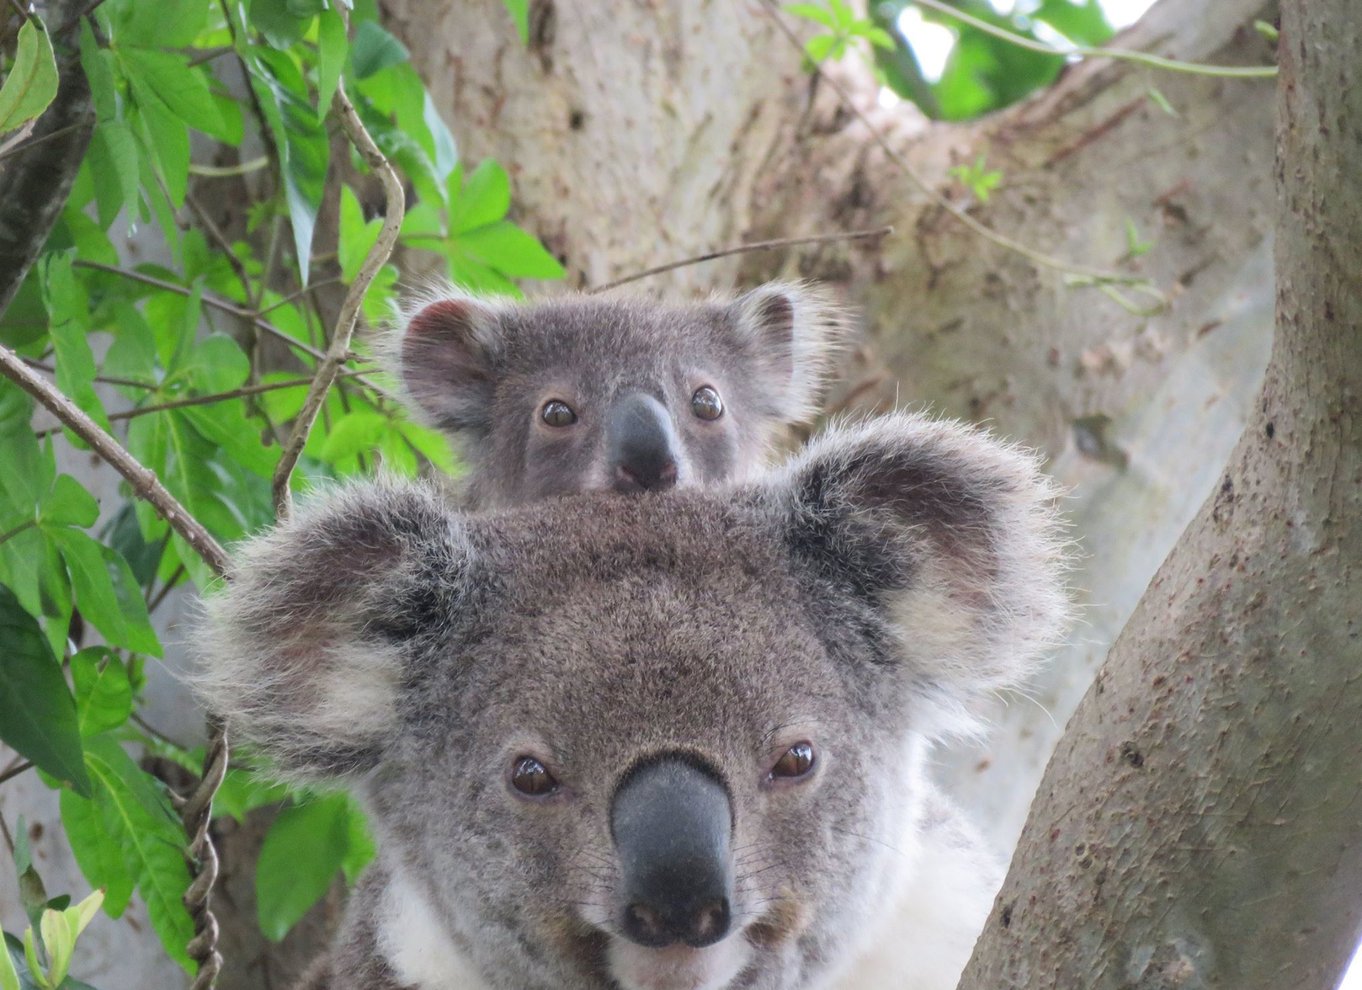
(37, 711)
(31, 83)
(103, 691)
(276, 20)
(68, 504)
(106, 592)
(181, 88)
(123, 535)
(299, 861)
(69, 323)
(373, 50)
(31, 890)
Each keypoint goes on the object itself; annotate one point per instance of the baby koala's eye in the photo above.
(706, 404)
(532, 778)
(556, 412)
(794, 763)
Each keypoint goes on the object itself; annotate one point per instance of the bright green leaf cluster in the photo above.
(844, 28)
(197, 363)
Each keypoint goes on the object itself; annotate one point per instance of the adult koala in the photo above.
(673, 742)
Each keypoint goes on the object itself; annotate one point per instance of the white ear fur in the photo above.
(956, 537)
(302, 651)
(799, 334)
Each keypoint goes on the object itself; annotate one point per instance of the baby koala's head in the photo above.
(642, 743)
(597, 392)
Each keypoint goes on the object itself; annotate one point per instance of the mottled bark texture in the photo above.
(1199, 824)
(36, 177)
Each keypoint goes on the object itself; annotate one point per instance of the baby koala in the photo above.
(589, 392)
(664, 743)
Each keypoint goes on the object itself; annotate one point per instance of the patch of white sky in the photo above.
(932, 42)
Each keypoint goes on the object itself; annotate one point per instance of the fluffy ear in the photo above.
(304, 650)
(794, 333)
(447, 356)
(948, 536)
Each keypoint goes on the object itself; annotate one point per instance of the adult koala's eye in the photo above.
(794, 763)
(706, 404)
(556, 412)
(532, 778)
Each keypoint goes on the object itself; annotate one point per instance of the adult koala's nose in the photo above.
(673, 824)
(641, 445)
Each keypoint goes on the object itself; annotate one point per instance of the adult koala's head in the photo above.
(648, 743)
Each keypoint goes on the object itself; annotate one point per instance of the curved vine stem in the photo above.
(378, 256)
(1120, 54)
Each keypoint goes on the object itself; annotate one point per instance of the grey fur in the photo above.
(864, 597)
(481, 370)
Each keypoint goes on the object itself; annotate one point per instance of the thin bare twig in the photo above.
(779, 242)
(144, 482)
(208, 400)
(1095, 276)
(106, 379)
(15, 771)
(349, 312)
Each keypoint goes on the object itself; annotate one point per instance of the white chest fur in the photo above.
(416, 944)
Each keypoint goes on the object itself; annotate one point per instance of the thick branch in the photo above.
(1198, 824)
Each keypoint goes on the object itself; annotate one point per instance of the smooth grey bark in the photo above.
(1198, 825)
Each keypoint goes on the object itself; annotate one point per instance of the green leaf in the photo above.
(333, 47)
(520, 13)
(94, 830)
(32, 80)
(304, 151)
(484, 198)
(114, 164)
(373, 50)
(511, 251)
(299, 860)
(820, 47)
(103, 691)
(68, 504)
(98, 65)
(37, 711)
(276, 20)
(106, 592)
(165, 25)
(243, 791)
(356, 434)
(1083, 23)
(68, 313)
(134, 809)
(165, 146)
(357, 237)
(360, 848)
(9, 975)
(812, 12)
(181, 88)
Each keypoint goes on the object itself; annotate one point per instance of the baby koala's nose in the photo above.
(641, 445)
(672, 823)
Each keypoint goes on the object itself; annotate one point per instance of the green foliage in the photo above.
(844, 28)
(978, 178)
(31, 82)
(983, 72)
(198, 364)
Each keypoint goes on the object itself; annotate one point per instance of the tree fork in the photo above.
(1198, 824)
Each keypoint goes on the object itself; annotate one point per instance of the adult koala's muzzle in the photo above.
(672, 824)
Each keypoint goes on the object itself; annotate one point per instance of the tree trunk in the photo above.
(644, 133)
(1198, 825)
